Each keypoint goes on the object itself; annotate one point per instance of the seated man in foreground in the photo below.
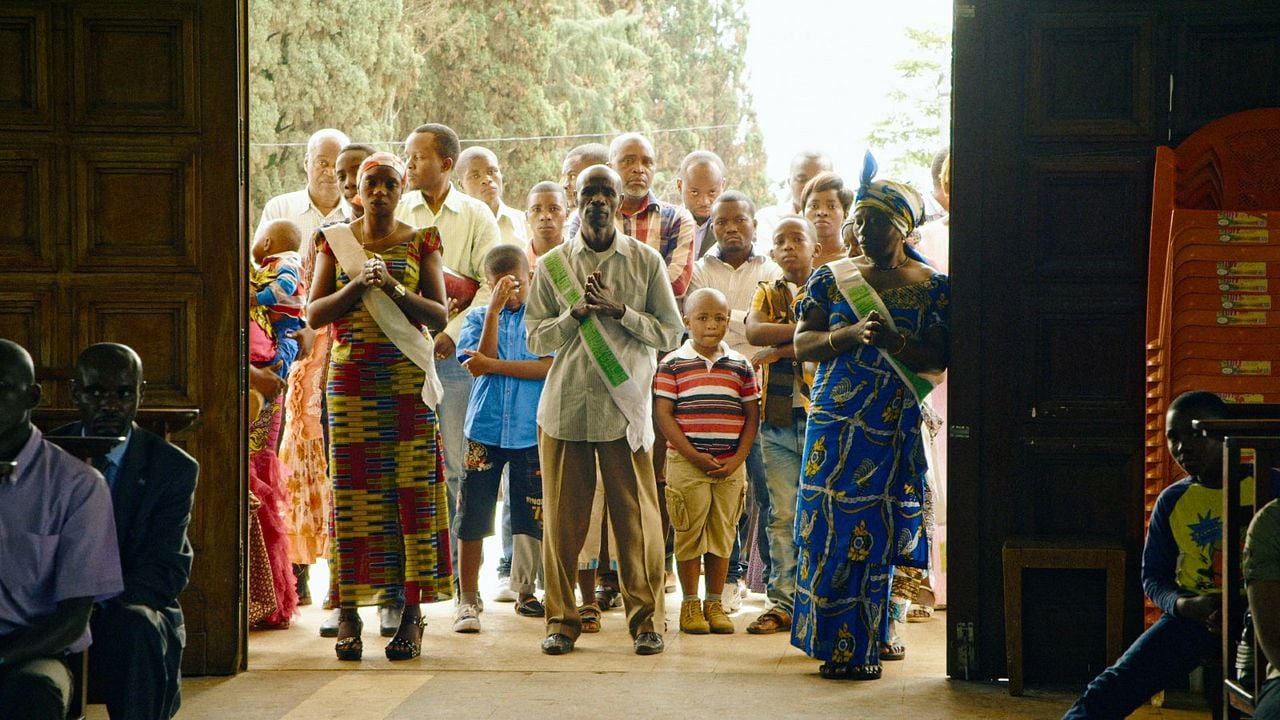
(1181, 573)
(138, 636)
(59, 552)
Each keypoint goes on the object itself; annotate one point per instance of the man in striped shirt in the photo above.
(667, 228)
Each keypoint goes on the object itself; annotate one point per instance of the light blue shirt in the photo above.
(114, 458)
(503, 410)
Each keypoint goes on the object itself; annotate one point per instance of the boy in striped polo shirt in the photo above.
(707, 404)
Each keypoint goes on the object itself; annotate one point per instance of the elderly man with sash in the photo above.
(602, 304)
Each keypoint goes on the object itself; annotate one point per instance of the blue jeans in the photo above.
(783, 452)
(1166, 652)
(755, 481)
(452, 415)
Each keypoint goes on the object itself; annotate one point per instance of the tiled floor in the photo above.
(500, 673)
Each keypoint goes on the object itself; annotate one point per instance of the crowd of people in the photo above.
(662, 392)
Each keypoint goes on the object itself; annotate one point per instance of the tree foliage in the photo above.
(339, 63)
(910, 131)
(499, 73)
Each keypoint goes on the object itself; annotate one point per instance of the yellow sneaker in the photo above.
(692, 620)
(717, 620)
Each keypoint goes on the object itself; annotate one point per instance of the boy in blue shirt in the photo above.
(501, 430)
(1181, 573)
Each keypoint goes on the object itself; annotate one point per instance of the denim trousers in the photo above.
(783, 450)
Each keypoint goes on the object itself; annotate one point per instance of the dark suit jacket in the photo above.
(154, 490)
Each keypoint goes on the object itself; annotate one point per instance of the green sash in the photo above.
(599, 338)
(863, 298)
(414, 343)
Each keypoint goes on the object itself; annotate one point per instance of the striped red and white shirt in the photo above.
(709, 396)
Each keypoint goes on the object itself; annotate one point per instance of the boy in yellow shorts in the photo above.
(707, 404)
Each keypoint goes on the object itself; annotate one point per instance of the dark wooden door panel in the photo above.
(120, 165)
(1059, 106)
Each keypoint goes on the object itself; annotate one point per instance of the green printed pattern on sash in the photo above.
(599, 348)
(864, 303)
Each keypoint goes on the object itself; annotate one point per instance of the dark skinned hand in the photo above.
(599, 298)
(873, 331)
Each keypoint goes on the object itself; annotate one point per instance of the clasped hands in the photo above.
(875, 332)
(375, 273)
(597, 298)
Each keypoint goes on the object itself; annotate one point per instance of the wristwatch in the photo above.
(399, 290)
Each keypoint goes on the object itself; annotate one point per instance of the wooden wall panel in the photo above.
(1224, 62)
(24, 65)
(26, 225)
(1089, 76)
(122, 167)
(112, 88)
(1086, 216)
(135, 209)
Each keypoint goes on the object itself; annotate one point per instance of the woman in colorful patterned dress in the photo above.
(389, 493)
(876, 324)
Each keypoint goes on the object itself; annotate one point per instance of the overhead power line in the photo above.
(532, 138)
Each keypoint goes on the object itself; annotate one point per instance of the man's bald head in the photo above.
(107, 388)
(18, 391)
(599, 197)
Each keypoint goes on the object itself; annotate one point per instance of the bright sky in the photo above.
(855, 44)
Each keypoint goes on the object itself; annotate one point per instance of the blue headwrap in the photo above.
(899, 201)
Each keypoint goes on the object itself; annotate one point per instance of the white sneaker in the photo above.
(731, 598)
(505, 593)
(466, 619)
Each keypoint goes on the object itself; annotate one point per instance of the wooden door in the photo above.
(1058, 108)
(121, 169)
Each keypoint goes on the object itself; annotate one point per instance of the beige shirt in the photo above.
(739, 287)
(297, 206)
(467, 231)
(511, 225)
(575, 403)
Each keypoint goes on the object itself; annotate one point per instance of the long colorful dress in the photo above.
(272, 587)
(391, 520)
(307, 514)
(859, 510)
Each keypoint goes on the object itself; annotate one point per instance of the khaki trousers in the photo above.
(569, 471)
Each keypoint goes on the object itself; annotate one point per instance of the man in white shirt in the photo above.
(804, 166)
(320, 202)
(481, 178)
(700, 182)
(467, 231)
(735, 269)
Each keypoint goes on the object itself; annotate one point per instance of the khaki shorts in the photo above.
(704, 510)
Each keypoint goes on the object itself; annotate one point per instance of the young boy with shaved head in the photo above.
(707, 403)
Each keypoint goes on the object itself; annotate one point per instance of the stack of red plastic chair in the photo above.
(1213, 278)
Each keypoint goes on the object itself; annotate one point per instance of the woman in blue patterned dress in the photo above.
(876, 325)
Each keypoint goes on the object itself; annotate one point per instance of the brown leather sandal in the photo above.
(590, 615)
(772, 621)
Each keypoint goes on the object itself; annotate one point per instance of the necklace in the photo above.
(366, 242)
(891, 267)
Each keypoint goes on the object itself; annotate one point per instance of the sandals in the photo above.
(772, 621)
(590, 615)
(920, 613)
(845, 671)
(401, 648)
(350, 647)
(893, 650)
(530, 607)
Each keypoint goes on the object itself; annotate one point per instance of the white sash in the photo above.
(414, 343)
(864, 299)
(601, 342)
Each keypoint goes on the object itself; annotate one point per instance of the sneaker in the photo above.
(733, 596)
(505, 593)
(692, 620)
(466, 619)
(718, 621)
(329, 628)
